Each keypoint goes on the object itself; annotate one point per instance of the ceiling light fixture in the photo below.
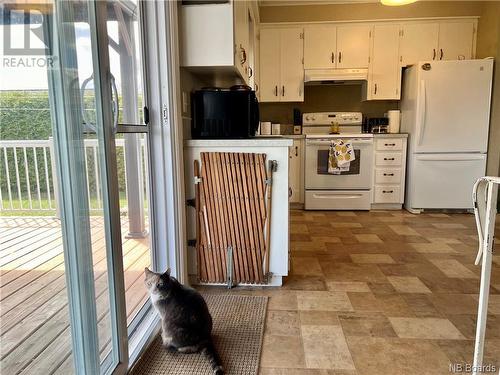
(397, 2)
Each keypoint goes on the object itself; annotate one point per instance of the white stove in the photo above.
(320, 122)
(350, 190)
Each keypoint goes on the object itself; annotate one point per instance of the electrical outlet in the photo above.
(184, 102)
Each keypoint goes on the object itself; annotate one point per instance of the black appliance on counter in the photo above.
(375, 125)
(222, 113)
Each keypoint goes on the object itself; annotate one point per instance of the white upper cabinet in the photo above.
(241, 37)
(320, 47)
(216, 35)
(292, 69)
(447, 40)
(270, 68)
(384, 71)
(456, 40)
(353, 46)
(281, 68)
(327, 46)
(419, 42)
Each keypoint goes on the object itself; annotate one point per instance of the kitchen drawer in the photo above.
(387, 175)
(387, 194)
(389, 144)
(337, 200)
(388, 158)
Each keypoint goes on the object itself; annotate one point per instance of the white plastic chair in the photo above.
(485, 195)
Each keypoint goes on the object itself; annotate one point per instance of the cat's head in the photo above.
(157, 283)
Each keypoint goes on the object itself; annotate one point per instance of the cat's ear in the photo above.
(148, 273)
(167, 272)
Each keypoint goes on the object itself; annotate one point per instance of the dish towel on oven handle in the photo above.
(340, 155)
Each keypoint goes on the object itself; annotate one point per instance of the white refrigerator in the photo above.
(445, 108)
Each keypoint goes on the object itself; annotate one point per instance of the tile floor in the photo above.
(381, 292)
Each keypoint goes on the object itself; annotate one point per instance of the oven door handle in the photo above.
(327, 142)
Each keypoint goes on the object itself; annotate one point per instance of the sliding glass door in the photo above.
(85, 107)
(85, 161)
(100, 176)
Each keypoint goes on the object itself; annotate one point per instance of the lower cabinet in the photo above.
(390, 167)
(296, 171)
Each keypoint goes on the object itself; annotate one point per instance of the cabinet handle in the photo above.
(389, 144)
(296, 151)
(375, 92)
(333, 57)
(340, 57)
(276, 90)
(388, 158)
(256, 87)
(250, 72)
(283, 91)
(388, 174)
(387, 191)
(441, 54)
(243, 55)
(434, 54)
(290, 192)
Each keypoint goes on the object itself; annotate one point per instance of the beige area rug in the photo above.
(238, 330)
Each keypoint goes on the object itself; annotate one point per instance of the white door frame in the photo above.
(166, 137)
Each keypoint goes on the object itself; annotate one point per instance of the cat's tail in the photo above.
(210, 352)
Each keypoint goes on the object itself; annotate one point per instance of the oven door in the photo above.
(360, 173)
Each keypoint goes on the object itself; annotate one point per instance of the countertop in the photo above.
(286, 136)
(390, 135)
(276, 141)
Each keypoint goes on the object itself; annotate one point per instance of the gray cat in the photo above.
(185, 320)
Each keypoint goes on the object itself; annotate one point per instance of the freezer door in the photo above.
(453, 110)
(443, 181)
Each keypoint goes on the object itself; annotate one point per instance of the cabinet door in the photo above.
(269, 65)
(292, 68)
(353, 46)
(252, 48)
(241, 37)
(320, 47)
(419, 42)
(256, 72)
(294, 175)
(456, 40)
(384, 71)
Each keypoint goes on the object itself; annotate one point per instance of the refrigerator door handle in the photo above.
(423, 112)
(451, 157)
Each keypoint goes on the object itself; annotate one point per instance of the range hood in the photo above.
(335, 76)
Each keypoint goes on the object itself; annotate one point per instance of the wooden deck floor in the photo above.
(35, 334)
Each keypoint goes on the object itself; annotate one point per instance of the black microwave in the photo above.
(218, 113)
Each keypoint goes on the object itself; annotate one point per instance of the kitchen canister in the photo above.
(265, 128)
(394, 120)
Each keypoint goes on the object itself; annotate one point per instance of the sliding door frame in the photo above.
(167, 206)
(66, 115)
(160, 49)
(110, 189)
(166, 138)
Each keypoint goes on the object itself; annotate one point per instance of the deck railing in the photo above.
(28, 178)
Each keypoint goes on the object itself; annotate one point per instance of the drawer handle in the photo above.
(387, 191)
(388, 158)
(388, 174)
(390, 144)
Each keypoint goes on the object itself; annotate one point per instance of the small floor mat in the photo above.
(237, 331)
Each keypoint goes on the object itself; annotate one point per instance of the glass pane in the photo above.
(125, 60)
(131, 150)
(35, 330)
(93, 160)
